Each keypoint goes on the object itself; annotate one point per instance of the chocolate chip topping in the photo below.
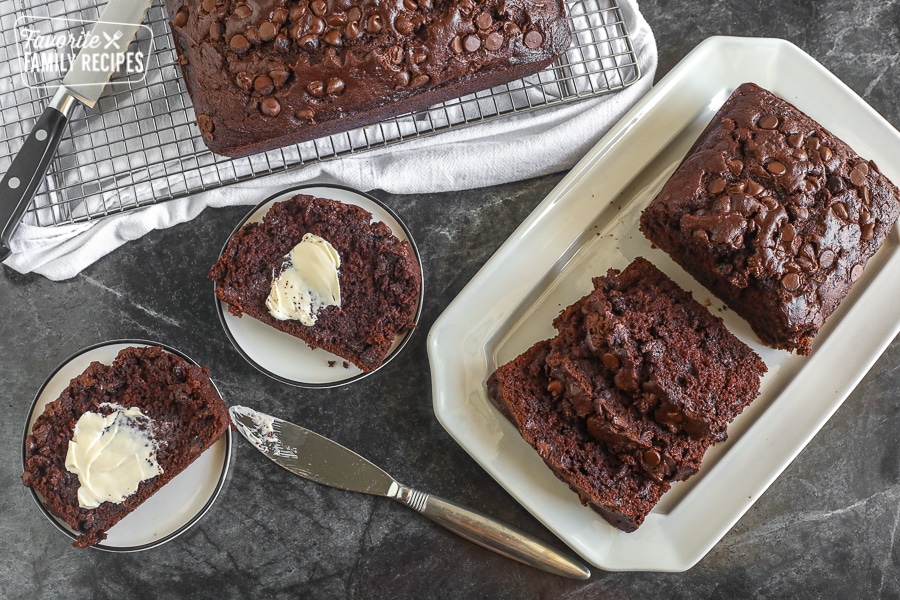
(181, 18)
(791, 282)
(270, 107)
(263, 85)
(768, 122)
(239, 43)
(267, 31)
(533, 39)
(776, 168)
(856, 272)
(472, 43)
(494, 41)
(484, 21)
(334, 86)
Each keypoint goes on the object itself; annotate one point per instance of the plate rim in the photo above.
(719, 49)
(217, 490)
(220, 309)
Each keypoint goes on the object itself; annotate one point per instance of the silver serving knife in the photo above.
(314, 457)
(116, 28)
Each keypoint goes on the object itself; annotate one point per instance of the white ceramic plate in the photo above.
(588, 224)
(289, 359)
(177, 505)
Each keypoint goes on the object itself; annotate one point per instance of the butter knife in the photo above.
(115, 29)
(324, 461)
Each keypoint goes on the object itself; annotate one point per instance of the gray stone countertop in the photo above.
(827, 527)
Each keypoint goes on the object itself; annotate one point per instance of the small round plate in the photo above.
(176, 506)
(284, 357)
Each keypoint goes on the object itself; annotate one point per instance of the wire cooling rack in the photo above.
(140, 144)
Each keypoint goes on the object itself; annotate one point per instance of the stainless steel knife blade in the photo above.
(312, 456)
(91, 70)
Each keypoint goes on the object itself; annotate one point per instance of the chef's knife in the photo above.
(324, 461)
(83, 83)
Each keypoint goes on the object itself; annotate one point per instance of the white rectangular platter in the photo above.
(588, 224)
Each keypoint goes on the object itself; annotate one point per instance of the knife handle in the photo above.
(28, 169)
(492, 534)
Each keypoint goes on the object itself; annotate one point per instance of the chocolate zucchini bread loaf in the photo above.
(149, 405)
(379, 277)
(643, 379)
(774, 214)
(268, 73)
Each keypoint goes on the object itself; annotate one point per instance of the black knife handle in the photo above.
(29, 167)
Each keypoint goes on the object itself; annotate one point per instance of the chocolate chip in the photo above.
(796, 140)
(768, 122)
(352, 30)
(825, 153)
(239, 43)
(403, 25)
(737, 187)
(716, 186)
(534, 39)
(840, 210)
(316, 26)
(472, 43)
(420, 80)
(857, 176)
(318, 7)
(354, 14)
(395, 55)
(652, 458)
(425, 4)
(181, 18)
(867, 231)
(316, 88)
(333, 38)
(826, 259)
(208, 5)
(418, 56)
(402, 78)
(410, 5)
(270, 106)
(610, 361)
(263, 85)
(252, 35)
(282, 42)
(374, 23)
(803, 263)
(304, 114)
(800, 212)
(298, 11)
(791, 282)
(788, 233)
(456, 44)
(808, 251)
(856, 272)
(338, 20)
(511, 29)
(812, 143)
(864, 192)
(800, 154)
(769, 202)
(555, 386)
(494, 41)
(279, 76)
(335, 86)
(280, 16)
(776, 168)
(309, 42)
(244, 80)
(267, 31)
(484, 20)
(735, 166)
(753, 188)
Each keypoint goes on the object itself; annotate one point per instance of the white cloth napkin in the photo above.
(508, 149)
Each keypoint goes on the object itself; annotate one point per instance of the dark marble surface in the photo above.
(827, 527)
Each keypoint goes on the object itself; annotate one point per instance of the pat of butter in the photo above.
(308, 283)
(111, 455)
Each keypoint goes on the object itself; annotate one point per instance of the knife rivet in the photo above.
(13, 183)
(41, 134)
